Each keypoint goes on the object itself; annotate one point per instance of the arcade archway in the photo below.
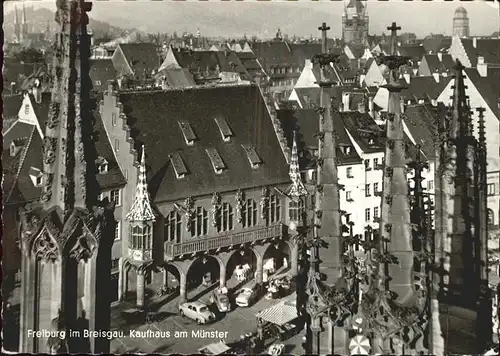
(202, 275)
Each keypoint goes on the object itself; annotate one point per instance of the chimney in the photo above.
(440, 56)
(436, 76)
(407, 77)
(371, 107)
(37, 91)
(474, 42)
(362, 79)
(345, 101)
(482, 67)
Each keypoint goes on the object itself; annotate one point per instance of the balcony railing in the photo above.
(173, 250)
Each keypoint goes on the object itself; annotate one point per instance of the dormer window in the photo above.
(216, 160)
(347, 150)
(187, 132)
(224, 128)
(15, 147)
(36, 176)
(252, 155)
(371, 141)
(102, 165)
(179, 166)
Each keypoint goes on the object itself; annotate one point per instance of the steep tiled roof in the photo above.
(101, 70)
(306, 123)
(488, 48)
(433, 62)
(362, 127)
(434, 45)
(279, 53)
(19, 130)
(412, 51)
(420, 122)
(425, 88)
(249, 61)
(11, 105)
(488, 87)
(142, 57)
(154, 119)
(447, 62)
(177, 77)
(19, 188)
(310, 97)
(357, 49)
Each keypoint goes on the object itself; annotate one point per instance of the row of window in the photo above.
(283, 82)
(368, 212)
(375, 163)
(283, 70)
(225, 219)
(113, 195)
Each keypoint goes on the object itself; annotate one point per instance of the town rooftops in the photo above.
(101, 71)
(176, 168)
(439, 65)
(306, 123)
(222, 61)
(488, 48)
(281, 53)
(141, 57)
(488, 87)
(425, 88)
(18, 185)
(420, 121)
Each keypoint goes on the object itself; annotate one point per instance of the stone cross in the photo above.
(323, 28)
(394, 28)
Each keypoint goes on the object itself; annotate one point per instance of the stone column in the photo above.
(222, 275)
(120, 279)
(315, 340)
(140, 289)
(182, 288)
(331, 338)
(259, 270)
(294, 260)
(125, 282)
(165, 277)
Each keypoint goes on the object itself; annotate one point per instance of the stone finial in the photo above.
(297, 188)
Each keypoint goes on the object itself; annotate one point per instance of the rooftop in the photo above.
(154, 115)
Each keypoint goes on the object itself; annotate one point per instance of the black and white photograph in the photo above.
(251, 177)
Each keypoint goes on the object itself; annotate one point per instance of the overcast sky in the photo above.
(235, 18)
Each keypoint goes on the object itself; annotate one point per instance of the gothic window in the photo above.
(147, 237)
(275, 209)
(250, 213)
(173, 225)
(200, 223)
(490, 217)
(296, 210)
(226, 217)
(115, 197)
(367, 214)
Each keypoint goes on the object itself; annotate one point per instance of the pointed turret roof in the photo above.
(141, 208)
(297, 188)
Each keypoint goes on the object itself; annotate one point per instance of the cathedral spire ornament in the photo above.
(141, 207)
(297, 188)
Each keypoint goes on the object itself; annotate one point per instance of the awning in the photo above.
(279, 314)
(218, 348)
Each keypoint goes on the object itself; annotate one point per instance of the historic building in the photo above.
(355, 22)
(66, 237)
(217, 181)
(461, 23)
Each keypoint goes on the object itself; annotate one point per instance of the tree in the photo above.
(30, 55)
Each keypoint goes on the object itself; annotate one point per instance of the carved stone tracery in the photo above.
(45, 248)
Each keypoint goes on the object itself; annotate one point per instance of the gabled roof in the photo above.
(488, 48)
(280, 53)
(154, 117)
(488, 87)
(357, 49)
(436, 44)
(142, 57)
(424, 88)
(102, 70)
(249, 61)
(421, 124)
(11, 105)
(306, 123)
(310, 97)
(412, 51)
(362, 128)
(177, 77)
(18, 188)
(210, 61)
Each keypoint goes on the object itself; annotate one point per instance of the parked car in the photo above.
(197, 311)
(221, 300)
(246, 296)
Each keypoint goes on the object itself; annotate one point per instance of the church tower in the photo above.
(17, 25)
(24, 25)
(355, 22)
(461, 23)
(461, 230)
(66, 238)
